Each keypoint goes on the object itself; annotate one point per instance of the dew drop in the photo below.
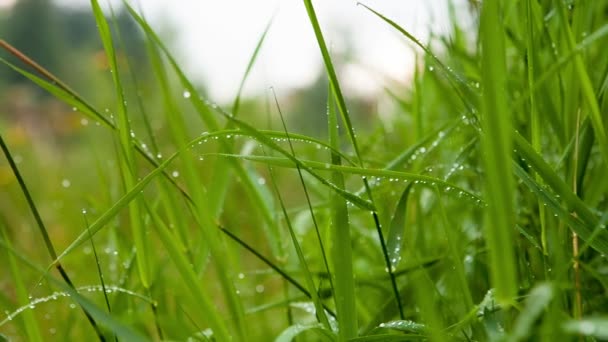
(186, 94)
(66, 183)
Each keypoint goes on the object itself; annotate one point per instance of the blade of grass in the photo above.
(585, 82)
(342, 255)
(42, 228)
(191, 280)
(306, 194)
(312, 289)
(120, 329)
(32, 330)
(496, 145)
(274, 267)
(391, 176)
(127, 158)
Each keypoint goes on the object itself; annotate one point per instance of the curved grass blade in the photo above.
(452, 76)
(121, 330)
(293, 331)
(391, 176)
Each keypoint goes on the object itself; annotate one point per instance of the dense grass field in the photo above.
(474, 209)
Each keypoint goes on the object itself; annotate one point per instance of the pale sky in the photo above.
(214, 40)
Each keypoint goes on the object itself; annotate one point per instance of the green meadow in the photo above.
(472, 207)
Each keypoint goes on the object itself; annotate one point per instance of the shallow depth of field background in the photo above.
(441, 270)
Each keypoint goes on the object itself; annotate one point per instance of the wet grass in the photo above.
(476, 211)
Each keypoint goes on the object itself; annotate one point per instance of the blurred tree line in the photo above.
(65, 41)
(61, 39)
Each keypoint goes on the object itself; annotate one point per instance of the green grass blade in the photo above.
(191, 280)
(496, 144)
(32, 331)
(387, 175)
(123, 202)
(537, 301)
(273, 266)
(333, 78)
(394, 240)
(342, 254)
(312, 289)
(587, 86)
(127, 158)
(120, 329)
(237, 100)
(306, 194)
(456, 255)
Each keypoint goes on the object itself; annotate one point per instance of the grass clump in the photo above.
(478, 216)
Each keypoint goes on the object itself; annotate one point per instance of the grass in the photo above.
(479, 215)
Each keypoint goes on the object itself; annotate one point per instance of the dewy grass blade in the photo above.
(333, 78)
(342, 255)
(496, 145)
(127, 158)
(391, 176)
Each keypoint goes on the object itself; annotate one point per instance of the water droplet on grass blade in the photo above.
(186, 94)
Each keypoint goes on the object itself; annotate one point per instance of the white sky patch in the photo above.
(7, 3)
(215, 39)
